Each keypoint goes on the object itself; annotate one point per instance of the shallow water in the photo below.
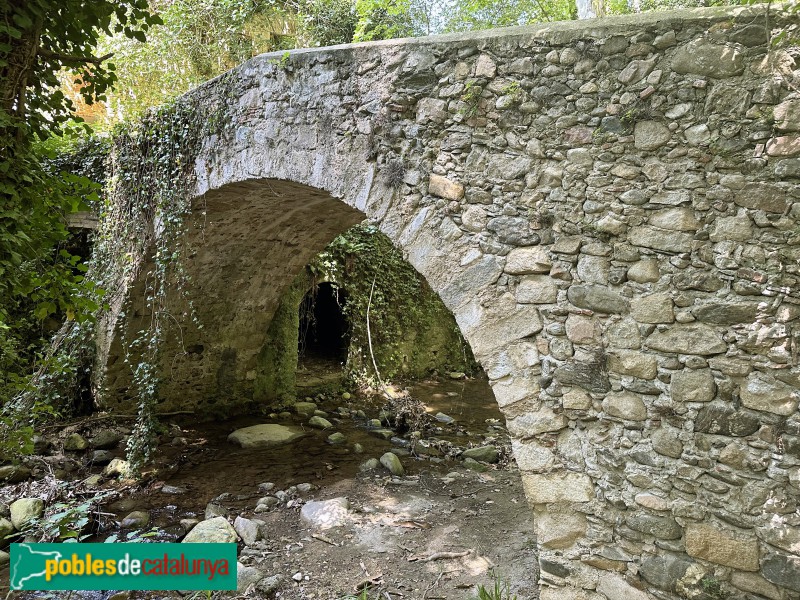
(210, 465)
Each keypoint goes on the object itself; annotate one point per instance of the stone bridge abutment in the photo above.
(609, 209)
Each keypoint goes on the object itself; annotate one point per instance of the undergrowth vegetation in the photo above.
(401, 305)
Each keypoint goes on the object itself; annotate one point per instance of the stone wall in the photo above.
(610, 210)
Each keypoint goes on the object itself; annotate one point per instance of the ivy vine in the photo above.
(401, 302)
(148, 197)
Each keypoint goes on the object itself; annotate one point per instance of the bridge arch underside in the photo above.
(610, 211)
(245, 244)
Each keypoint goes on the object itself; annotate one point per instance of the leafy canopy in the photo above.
(40, 41)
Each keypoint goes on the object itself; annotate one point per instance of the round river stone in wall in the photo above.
(268, 434)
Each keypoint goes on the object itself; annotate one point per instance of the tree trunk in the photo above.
(21, 59)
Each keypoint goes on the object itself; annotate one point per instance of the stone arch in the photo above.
(609, 215)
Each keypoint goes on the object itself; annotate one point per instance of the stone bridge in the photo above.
(610, 210)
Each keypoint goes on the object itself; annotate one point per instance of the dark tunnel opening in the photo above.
(324, 328)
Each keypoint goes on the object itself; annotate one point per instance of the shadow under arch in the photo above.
(244, 245)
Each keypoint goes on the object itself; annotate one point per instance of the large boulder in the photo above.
(138, 519)
(14, 473)
(487, 454)
(75, 442)
(212, 531)
(269, 434)
(25, 510)
(392, 462)
(248, 530)
(326, 514)
(105, 439)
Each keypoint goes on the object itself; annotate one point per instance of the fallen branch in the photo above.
(43, 52)
(368, 583)
(96, 418)
(324, 538)
(439, 556)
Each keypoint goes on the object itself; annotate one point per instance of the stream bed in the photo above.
(441, 502)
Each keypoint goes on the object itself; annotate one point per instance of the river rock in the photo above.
(14, 473)
(644, 271)
(625, 405)
(102, 457)
(248, 530)
(722, 547)
(726, 313)
(266, 504)
(487, 454)
(693, 385)
(6, 528)
(764, 392)
(633, 363)
(188, 524)
(665, 528)
(119, 467)
(696, 339)
(782, 570)
(597, 298)
(216, 530)
(392, 463)
(305, 409)
(24, 510)
(266, 435)
(138, 519)
(666, 442)
(474, 465)
(721, 419)
(320, 422)
(75, 442)
(660, 239)
(613, 585)
(215, 510)
(664, 571)
(270, 585)
(443, 418)
(369, 465)
(337, 438)
(106, 439)
(655, 308)
(326, 513)
(247, 576)
(650, 135)
(528, 260)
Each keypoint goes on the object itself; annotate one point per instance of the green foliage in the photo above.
(198, 40)
(69, 517)
(283, 62)
(466, 15)
(39, 38)
(41, 280)
(712, 589)
(402, 304)
(500, 590)
(323, 22)
(382, 20)
(471, 97)
(148, 198)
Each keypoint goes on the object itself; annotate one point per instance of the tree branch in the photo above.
(72, 58)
